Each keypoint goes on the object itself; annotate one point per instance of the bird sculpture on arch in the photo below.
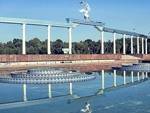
(85, 10)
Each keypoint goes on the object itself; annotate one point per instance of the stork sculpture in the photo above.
(85, 10)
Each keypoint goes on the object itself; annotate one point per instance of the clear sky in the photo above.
(119, 14)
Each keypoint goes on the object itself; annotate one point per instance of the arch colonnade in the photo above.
(70, 26)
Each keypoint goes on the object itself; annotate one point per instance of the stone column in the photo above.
(70, 40)
(124, 44)
(138, 48)
(142, 45)
(23, 39)
(145, 45)
(131, 44)
(102, 42)
(114, 43)
(49, 40)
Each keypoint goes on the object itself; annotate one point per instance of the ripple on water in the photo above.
(136, 103)
(109, 107)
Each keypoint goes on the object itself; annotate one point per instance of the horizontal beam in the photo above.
(100, 27)
(111, 30)
(33, 22)
(82, 22)
(70, 23)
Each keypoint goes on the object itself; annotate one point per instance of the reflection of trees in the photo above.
(88, 46)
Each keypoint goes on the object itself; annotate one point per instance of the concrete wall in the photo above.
(84, 62)
(40, 58)
(146, 57)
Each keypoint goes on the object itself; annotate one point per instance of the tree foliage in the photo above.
(88, 46)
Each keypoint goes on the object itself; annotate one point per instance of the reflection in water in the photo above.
(98, 92)
(87, 108)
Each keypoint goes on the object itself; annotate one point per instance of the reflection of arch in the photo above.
(103, 90)
(46, 76)
(74, 97)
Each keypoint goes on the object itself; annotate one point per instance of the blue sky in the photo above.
(120, 14)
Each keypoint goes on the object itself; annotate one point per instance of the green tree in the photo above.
(57, 47)
(34, 46)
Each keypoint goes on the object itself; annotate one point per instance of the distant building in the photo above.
(65, 50)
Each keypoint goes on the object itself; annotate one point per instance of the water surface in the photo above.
(135, 98)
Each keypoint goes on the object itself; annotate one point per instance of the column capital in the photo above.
(69, 28)
(124, 35)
